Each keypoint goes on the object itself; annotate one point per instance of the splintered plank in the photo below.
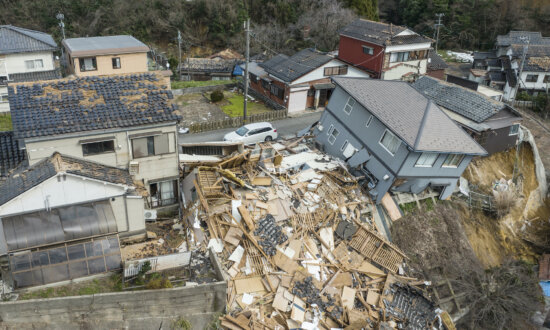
(390, 206)
(374, 247)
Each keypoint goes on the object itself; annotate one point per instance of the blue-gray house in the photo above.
(395, 137)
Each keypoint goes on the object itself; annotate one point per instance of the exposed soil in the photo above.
(196, 108)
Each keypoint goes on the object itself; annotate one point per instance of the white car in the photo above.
(252, 133)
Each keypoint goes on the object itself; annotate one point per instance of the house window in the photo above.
(163, 193)
(87, 64)
(453, 160)
(95, 148)
(532, 78)
(116, 62)
(34, 64)
(417, 55)
(349, 105)
(390, 142)
(151, 145)
(369, 121)
(344, 145)
(547, 78)
(3, 98)
(514, 129)
(329, 132)
(333, 135)
(426, 159)
(277, 91)
(399, 57)
(368, 50)
(336, 70)
(265, 84)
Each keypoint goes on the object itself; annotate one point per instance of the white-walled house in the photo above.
(300, 81)
(62, 218)
(25, 55)
(125, 121)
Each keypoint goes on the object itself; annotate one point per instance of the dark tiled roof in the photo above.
(461, 100)
(35, 76)
(381, 33)
(10, 153)
(514, 37)
(498, 76)
(485, 55)
(420, 123)
(89, 103)
(207, 65)
(291, 68)
(436, 62)
(21, 181)
(511, 77)
(18, 40)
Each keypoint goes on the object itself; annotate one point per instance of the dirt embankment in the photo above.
(529, 208)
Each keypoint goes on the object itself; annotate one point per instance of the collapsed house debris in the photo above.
(296, 236)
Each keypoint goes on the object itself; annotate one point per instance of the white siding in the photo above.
(15, 63)
(399, 69)
(319, 73)
(73, 190)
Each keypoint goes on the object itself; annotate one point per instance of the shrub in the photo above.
(216, 96)
(158, 283)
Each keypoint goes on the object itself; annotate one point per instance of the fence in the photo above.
(481, 201)
(522, 104)
(237, 121)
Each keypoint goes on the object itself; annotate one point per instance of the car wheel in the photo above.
(268, 138)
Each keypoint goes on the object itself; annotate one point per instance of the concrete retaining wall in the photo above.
(202, 89)
(148, 309)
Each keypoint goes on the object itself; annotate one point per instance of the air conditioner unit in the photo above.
(133, 168)
(150, 215)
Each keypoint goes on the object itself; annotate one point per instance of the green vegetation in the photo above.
(216, 96)
(5, 123)
(181, 324)
(235, 106)
(112, 283)
(194, 83)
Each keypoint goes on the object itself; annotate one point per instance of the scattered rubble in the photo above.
(295, 234)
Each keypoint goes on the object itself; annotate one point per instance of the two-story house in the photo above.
(97, 56)
(493, 124)
(500, 67)
(61, 219)
(25, 55)
(124, 121)
(395, 137)
(384, 51)
(299, 81)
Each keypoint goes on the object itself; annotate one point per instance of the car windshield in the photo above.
(242, 131)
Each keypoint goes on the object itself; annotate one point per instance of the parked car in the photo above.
(252, 133)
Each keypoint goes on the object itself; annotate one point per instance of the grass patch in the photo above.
(5, 123)
(112, 283)
(235, 105)
(193, 83)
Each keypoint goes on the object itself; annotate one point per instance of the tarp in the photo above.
(545, 288)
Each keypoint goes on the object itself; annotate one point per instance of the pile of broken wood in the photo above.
(295, 234)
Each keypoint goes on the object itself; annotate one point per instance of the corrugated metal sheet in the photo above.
(170, 261)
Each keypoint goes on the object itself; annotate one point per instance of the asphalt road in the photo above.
(285, 127)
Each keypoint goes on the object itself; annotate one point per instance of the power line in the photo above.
(437, 26)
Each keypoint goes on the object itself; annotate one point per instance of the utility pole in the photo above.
(179, 51)
(61, 17)
(526, 41)
(247, 30)
(437, 26)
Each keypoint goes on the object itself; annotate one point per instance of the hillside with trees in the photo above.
(278, 26)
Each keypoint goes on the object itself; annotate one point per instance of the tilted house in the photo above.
(493, 124)
(385, 51)
(61, 219)
(436, 65)
(25, 55)
(299, 81)
(124, 121)
(207, 69)
(395, 137)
